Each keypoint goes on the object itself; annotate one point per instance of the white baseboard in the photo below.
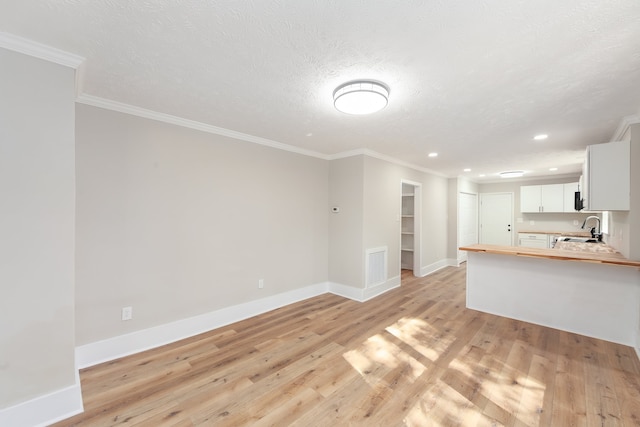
(135, 342)
(432, 268)
(360, 294)
(351, 292)
(45, 410)
(378, 290)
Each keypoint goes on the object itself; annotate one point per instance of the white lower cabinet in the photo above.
(533, 240)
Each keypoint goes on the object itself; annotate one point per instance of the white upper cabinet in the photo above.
(570, 196)
(553, 198)
(542, 198)
(530, 198)
(607, 177)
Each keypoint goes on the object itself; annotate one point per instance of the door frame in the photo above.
(417, 228)
(480, 219)
(461, 256)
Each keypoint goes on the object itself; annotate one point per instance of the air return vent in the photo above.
(376, 267)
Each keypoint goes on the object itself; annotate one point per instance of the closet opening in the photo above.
(410, 227)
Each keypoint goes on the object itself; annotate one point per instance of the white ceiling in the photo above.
(472, 80)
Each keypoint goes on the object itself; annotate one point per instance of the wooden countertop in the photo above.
(559, 254)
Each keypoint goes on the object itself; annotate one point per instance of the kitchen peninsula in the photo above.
(596, 294)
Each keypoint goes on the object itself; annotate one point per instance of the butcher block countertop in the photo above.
(614, 258)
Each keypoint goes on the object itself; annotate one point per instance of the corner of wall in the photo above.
(45, 410)
(432, 268)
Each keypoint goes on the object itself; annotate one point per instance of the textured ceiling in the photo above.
(472, 80)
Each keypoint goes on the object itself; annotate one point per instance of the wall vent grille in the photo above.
(376, 267)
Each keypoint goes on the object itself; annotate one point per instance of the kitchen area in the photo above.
(572, 266)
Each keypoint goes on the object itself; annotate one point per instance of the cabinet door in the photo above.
(553, 198)
(530, 198)
(533, 240)
(569, 196)
(609, 176)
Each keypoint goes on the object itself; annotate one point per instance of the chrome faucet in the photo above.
(595, 231)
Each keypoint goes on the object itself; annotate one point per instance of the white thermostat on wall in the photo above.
(335, 209)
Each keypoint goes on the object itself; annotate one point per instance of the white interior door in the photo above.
(496, 218)
(467, 222)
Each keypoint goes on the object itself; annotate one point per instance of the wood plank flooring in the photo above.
(413, 357)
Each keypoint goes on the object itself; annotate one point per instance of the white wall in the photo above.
(36, 228)
(368, 191)
(176, 222)
(382, 204)
(346, 188)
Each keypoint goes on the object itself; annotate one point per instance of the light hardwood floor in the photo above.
(414, 356)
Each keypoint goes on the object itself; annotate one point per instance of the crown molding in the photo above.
(192, 124)
(39, 50)
(375, 154)
(121, 107)
(529, 179)
(624, 126)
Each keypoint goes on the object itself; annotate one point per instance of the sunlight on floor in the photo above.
(378, 356)
(424, 338)
(490, 393)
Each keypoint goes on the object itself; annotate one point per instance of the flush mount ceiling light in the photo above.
(360, 97)
(511, 174)
(541, 137)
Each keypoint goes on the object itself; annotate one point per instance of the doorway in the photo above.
(496, 218)
(410, 220)
(467, 222)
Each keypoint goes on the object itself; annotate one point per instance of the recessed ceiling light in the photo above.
(433, 154)
(541, 137)
(511, 174)
(360, 97)
(553, 169)
(467, 170)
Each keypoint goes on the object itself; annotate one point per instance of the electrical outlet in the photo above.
(576, 222)
(127, 313)
(260, 283)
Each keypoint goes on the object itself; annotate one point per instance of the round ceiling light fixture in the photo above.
(511, 174)
(361, 97)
